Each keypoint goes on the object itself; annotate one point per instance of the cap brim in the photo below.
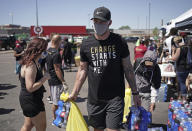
(100, 18)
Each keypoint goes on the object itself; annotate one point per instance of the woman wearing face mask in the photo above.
(32, 88)
(105, 59)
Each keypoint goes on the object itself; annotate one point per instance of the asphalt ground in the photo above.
(11, 116)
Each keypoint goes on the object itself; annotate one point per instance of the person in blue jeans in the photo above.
(182, 68)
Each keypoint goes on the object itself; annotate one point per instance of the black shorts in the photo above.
(30, 106)
(106, 114)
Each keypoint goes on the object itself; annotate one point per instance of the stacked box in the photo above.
(155, 129)
(138, 119)
(179, 116)
(162, 96)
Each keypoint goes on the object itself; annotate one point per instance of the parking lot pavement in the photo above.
(11, 117)
(6, 51)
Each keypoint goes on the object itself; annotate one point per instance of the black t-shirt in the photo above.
(18, 50)
(67, 49)
(53, 57)
(105, 70)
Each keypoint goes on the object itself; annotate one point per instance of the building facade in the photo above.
(46, 31)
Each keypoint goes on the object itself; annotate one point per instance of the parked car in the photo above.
(131, 39)
(7, 42)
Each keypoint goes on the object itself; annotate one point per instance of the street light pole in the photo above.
(11, 14)
(146, 27)
(138, 22)
(12, 18)
(37, 13)
(149, 16)
(37, 24)
(89, 20)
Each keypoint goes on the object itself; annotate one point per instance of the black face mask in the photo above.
(148, 72)
(149, 68)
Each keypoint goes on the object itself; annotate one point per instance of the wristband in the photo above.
(64, 83)
(135, 93)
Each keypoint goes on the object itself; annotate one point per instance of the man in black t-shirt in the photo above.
(57, 83)
(105, 59)
(67, 53)
(18, 52)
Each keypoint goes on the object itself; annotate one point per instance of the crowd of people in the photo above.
(34, 65)
(174, 51)
(105, 60)
(177, 50)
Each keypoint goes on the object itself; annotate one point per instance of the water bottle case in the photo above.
(179, 116)
(62, 114)
(138, 119)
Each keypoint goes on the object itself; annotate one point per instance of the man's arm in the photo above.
(129, 73)
(130, 76)
(80, 79)
(58, 72)
(17, 55)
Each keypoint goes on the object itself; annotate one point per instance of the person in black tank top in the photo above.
(32, 108)
(32, 88)
(182, 68)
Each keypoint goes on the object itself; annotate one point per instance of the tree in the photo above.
(155, 31)
(126, 27)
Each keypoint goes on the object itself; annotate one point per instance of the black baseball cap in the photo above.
(102, 13)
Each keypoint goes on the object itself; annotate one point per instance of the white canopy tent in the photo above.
(174, 22)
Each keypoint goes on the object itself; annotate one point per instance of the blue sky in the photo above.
(78, 12)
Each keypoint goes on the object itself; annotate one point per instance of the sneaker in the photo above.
(50, 102)
(169, 82)
(49, 98)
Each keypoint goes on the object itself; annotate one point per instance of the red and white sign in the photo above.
(38, 29)
(64, 30)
